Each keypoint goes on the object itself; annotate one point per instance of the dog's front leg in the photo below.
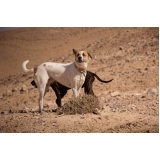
(75, 93)
(78, 91)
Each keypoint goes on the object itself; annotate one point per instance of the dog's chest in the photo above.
(80, 79)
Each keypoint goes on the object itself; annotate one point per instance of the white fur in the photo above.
(66, 74)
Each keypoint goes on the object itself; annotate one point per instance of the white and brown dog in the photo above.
(71, 75)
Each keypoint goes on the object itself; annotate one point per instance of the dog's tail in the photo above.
(101, 79)
(25, 69)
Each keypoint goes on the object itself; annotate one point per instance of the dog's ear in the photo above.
(89, 55)
(75, 51)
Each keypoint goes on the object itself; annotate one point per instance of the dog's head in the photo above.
(81, 59)
(81, 56)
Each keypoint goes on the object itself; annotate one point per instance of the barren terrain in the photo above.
(130, 103)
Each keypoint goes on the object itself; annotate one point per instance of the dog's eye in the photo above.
(84, 54)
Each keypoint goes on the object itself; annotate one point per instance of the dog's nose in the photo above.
(80, 59)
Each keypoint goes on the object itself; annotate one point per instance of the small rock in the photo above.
(59, 112)
(147, 131)
(5, 112)
(106, 117)
(102, 99)
(88, 119)
(8, 93)
(146, 69)
(116, 93)
(82, 117)
(24, 89)
(96, 111)
(35, 109)
(14, 89)
(137, 94)
(54, 124)
(23, 111)
(11, 111)
(121, 48)
(152, 91)
(113, 110)
(121, 126)
(54, 110)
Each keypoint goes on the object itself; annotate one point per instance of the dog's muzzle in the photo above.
(80, 59)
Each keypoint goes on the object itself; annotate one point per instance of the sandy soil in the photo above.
(128, 55)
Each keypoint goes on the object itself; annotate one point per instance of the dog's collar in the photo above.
(81, 70)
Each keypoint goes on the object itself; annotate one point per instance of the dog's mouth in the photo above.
(80, 61)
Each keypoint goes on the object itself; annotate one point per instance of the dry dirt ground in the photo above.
(128, 55)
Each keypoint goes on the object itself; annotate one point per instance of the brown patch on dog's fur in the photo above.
(44, 65)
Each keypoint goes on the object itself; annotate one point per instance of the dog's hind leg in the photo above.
(41, 83)
(57, 91)
(41, 95)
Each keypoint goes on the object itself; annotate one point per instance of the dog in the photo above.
(61, 90)
(71, 75)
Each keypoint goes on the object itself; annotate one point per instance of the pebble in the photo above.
(35, 109)
(14, 89)
(8, 93)
(102, 99)
(137, 94)
(11, 111)
(23, 111)
(88, 119)
(54, 110)
(82, 117)
(54, 124)
(152, 91)
(116, 93)
(60, 113)
(24, 88)
(120, 48)
(96, 111)
(5, 112)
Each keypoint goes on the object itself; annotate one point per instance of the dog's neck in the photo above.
(80, 69)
